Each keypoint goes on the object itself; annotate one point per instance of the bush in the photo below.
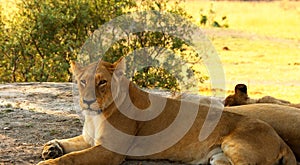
(38, 42)
(41, 39)
(209, 18)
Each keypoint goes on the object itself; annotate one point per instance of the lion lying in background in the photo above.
(236, 139)
(240, 97)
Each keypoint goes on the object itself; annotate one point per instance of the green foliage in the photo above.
(45, 35)
(38, 42)
(148, 78)
(166, 50)
(209, 18)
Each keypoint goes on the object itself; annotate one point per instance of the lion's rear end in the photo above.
(236, 140)
(257, 144)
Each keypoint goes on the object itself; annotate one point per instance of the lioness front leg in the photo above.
(97, 155)
(56, 148)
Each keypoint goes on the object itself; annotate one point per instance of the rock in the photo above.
(7, 128)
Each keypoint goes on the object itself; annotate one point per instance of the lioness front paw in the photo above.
(52, 150)
(45, 163)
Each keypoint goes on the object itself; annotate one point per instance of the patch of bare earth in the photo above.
(32, 114)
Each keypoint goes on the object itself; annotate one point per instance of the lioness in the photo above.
(235, 139)
(284, 119)
(295, 105)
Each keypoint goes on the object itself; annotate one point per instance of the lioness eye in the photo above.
(102, 82)
(82, 82)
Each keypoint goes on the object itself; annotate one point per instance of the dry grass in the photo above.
(264, 45)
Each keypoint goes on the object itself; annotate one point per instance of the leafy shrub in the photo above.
(209, 18)
(39, 40)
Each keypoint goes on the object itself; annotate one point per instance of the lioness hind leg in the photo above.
(56, 148)
(256, 144)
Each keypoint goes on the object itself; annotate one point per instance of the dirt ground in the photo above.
(32, 114)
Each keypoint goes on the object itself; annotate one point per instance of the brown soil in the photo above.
(32, 114)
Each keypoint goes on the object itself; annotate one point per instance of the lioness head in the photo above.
(94, 83)
(240, 96)
(240, 89)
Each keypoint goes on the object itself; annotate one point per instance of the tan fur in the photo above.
(295, 105)
(240, 97)
(272, 100)
(284, 119)
(235, 140)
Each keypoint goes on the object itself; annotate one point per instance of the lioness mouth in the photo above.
(98, 111)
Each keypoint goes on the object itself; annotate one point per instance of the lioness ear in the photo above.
(74, 67)
(119, 66)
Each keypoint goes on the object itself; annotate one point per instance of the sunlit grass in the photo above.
(263, 41)
(266, 66)
(277, 19)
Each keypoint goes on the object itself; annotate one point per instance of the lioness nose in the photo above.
(89, 102)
